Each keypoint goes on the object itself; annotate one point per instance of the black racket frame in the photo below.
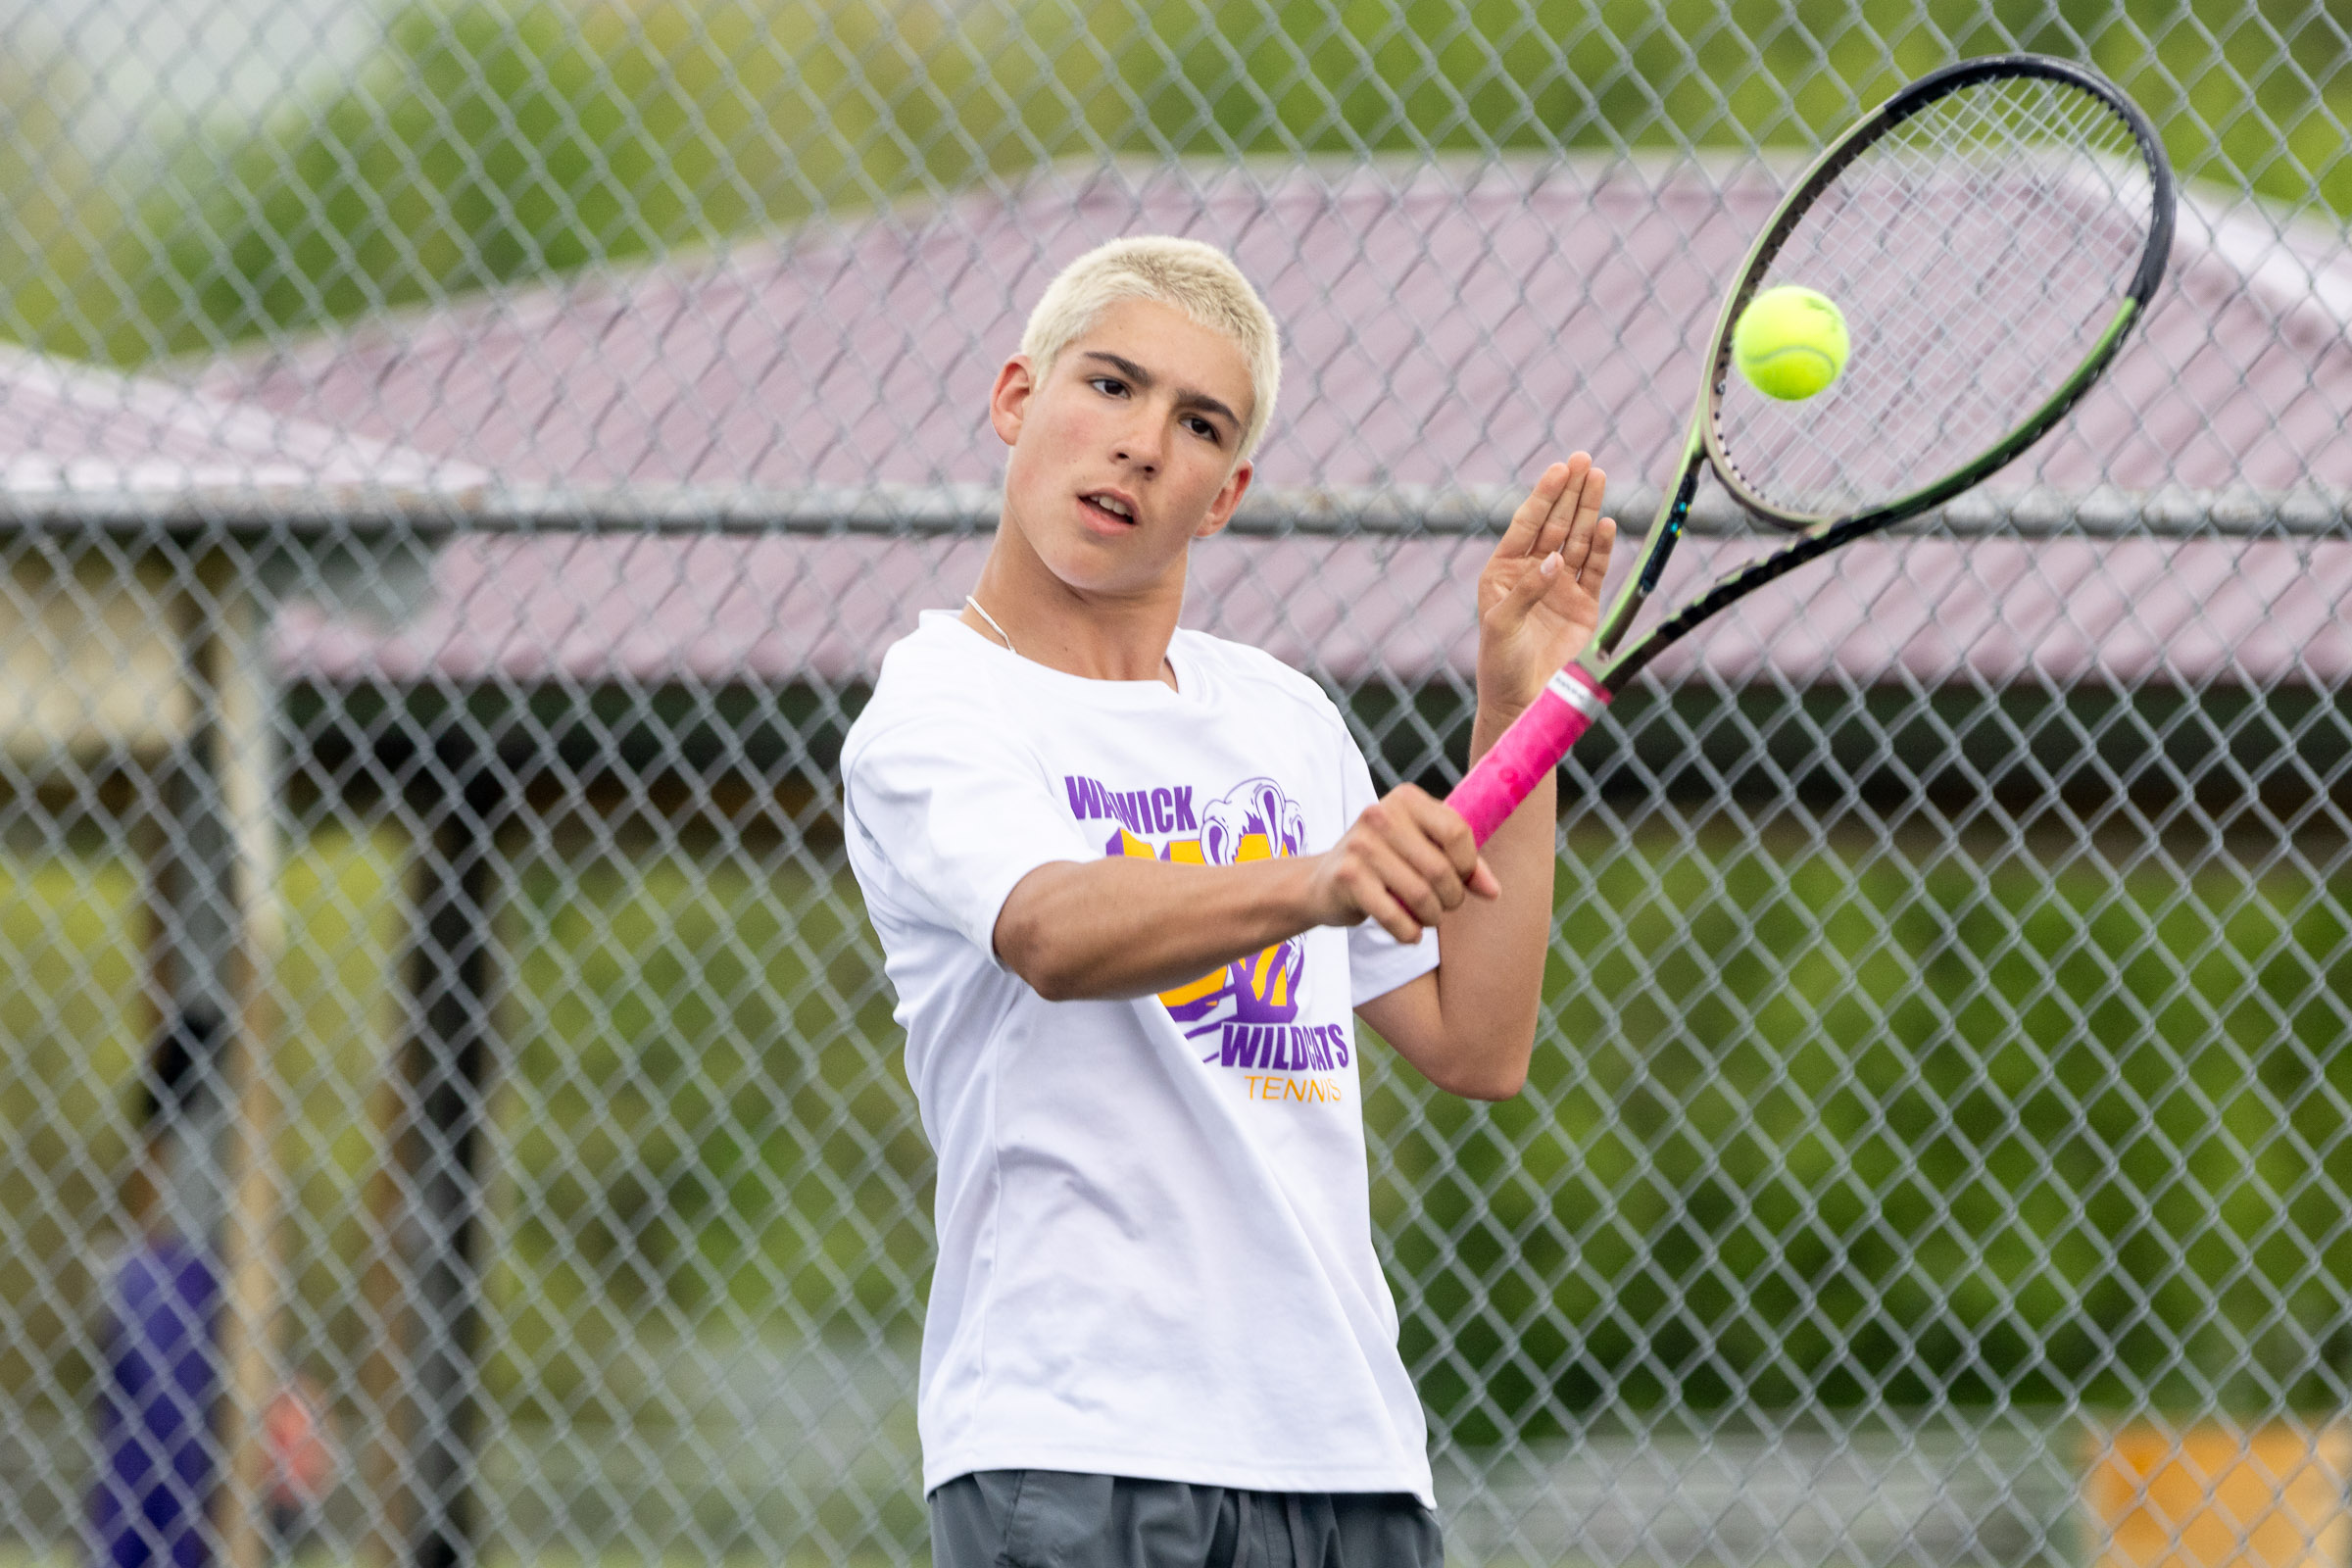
(1818, 535)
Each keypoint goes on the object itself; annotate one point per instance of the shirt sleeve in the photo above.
(1377, 962)
(960, 815)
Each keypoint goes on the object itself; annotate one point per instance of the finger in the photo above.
(1483, 882)
(1585, 518)
(1404, 882)
(1527, 523)
(1429, 859)
(1561, 519)
(1532, 586)
(1381, 908)
(1449, 834)
(1595, 570)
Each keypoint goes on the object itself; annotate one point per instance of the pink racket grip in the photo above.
(1530, 748)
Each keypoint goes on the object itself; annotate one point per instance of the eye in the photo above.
(1111, 386)
(1204, 429)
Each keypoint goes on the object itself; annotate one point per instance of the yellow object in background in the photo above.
(2210, 1495)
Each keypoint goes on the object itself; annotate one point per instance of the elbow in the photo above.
(1495, 1071)
(1053, 983)
(1034, 967)
(1488, 1084)
(1043, 964)
(1033, 938)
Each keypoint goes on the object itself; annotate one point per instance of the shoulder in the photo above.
(931, 674)
(1254, 675)
(941, 655)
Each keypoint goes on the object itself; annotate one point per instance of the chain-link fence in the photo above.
(464, 461)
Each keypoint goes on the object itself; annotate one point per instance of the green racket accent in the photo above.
(1819, 531)
(1908, 216)
(1820, 538)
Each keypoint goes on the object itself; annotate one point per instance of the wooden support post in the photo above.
(233, 665)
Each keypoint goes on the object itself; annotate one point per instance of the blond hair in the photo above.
(1198, 279)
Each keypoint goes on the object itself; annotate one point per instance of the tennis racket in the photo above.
(1990, 234)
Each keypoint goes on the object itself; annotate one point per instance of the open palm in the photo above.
(1538, 595)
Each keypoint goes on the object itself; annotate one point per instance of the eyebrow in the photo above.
(1186, 397)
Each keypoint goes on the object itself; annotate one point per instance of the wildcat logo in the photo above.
(1248, 1008)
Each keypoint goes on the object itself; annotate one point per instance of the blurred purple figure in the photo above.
(157, 1454)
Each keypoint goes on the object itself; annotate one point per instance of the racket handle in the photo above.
(1529, 750)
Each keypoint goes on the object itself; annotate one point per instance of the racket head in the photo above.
(1989, 232)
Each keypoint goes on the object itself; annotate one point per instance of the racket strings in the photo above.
(2049, 257)
(1978, 250)
(1957, 304)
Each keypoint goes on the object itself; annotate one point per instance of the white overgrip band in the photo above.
(1577, 690)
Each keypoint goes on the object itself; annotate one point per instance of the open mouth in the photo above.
(1108, 506)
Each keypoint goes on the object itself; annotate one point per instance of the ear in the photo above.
(1008, 401)
(1220, 511)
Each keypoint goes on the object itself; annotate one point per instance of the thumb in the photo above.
(1532, 586)
(1482, 881)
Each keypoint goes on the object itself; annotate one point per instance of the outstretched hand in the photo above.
(1539, 597)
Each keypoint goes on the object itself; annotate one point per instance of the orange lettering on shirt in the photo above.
(1310, 1090)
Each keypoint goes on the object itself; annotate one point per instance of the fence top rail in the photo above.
(966, 510)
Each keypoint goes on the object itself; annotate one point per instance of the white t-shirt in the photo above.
(1154, 1229)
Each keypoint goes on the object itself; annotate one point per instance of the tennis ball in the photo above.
(1790, 343)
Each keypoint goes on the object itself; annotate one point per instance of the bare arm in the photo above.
(1120, 927)
(1130, 927)
(1470, 1025)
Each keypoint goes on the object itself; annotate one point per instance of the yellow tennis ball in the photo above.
(1790, 343)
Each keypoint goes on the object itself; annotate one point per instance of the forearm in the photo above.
(1130, 927)
(1490, 979)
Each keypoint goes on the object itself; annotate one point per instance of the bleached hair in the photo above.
(1198, 279)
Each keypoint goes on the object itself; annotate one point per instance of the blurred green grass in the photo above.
(1832, 1124)
(496, 142)
(1816, 1121)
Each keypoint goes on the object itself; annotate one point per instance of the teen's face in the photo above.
(1125, 452)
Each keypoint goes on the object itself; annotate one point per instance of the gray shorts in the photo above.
(1056, 1519)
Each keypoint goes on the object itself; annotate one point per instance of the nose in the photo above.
(1139, 445)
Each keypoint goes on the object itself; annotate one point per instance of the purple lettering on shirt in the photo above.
(1163, 819)
(1186, 822)
(1239, 1047)
(1081, 793)
(1338, 1044)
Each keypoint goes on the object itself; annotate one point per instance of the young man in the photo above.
(1131, 884)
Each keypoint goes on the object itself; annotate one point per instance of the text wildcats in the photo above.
(1244, 1015)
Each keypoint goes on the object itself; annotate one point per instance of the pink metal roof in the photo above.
(1443, 327)
(720, 610)
(71, 429)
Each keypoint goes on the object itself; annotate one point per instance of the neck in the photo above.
(1095, 636)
